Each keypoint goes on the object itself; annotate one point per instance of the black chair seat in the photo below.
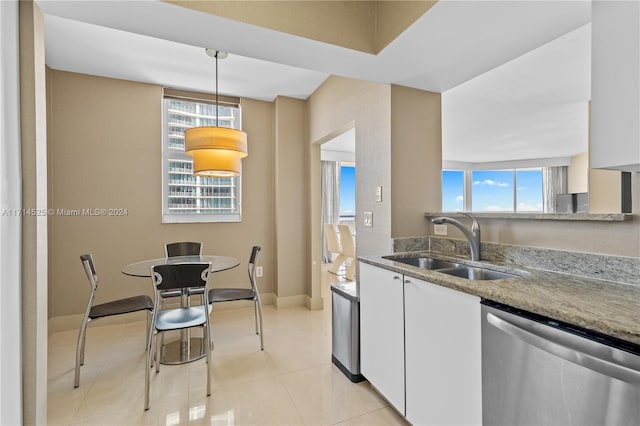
(230, 294)
(122, 306)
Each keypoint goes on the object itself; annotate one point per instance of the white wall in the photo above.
(10, 225)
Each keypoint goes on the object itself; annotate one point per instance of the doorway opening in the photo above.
(338, 189)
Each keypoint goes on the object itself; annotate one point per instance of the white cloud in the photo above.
(459, 198)
(526, 207)
(490, 182)
(522, 188)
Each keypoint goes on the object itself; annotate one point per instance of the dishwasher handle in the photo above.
(606, 367)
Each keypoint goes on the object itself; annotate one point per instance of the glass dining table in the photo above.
(187, 348)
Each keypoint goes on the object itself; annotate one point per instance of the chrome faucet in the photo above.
(473, 236)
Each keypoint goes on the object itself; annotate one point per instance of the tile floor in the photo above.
(291, 382)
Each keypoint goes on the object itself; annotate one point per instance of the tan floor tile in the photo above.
(386, 416)
(264, 402)
(323, 395)
(291, 382)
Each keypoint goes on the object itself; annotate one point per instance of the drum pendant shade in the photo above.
(216, 151)
(219, 138)
(216, 162)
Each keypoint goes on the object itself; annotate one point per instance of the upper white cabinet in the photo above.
(615, 85)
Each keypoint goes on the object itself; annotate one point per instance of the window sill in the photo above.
(603, 217)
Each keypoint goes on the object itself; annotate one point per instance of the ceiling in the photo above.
(161, 43)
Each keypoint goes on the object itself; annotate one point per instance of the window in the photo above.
(189, 198)
(453, 191)
(347, 192)
(492, 190)
(512, 190)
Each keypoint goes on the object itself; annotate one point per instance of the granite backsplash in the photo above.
(600, 266)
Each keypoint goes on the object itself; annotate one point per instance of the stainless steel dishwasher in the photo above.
(538, 371)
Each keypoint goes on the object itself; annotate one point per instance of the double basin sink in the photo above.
(452, 268)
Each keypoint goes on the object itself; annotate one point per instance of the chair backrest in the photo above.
(346, 241)
(180, 275)
(90, 270)
(253, 259)
(331, 235)
(183, 248)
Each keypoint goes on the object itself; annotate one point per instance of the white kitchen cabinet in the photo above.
(420, 346)
(443, 355)
(382, 332)
(615, 85)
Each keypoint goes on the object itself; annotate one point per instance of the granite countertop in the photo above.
(604, 306)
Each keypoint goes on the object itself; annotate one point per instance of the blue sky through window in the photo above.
(452, 191)
(347, 190)
(529, 195)
(492, 190)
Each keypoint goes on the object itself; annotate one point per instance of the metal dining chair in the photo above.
(177, 276)
(182, 248)
(95, 312)
(217, 295)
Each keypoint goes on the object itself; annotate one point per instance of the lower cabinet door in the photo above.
(382, 332)
(443, 355)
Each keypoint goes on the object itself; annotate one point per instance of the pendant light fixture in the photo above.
(216, 151)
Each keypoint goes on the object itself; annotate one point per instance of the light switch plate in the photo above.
(368, 219)
(440, 229)
(259, 271)
(378, 194)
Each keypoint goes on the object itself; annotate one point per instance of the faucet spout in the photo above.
(473, 235)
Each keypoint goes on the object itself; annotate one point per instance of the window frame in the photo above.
(467, 195)
(169, 154)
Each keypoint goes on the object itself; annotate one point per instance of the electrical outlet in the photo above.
(440, 229)
(259, 271)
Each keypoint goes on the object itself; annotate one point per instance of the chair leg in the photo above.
(158, 352)
(351, 272)
(149, 356)
(207, 335)
(335, 265)
(80, 353)
(255, 314)
(258, 305)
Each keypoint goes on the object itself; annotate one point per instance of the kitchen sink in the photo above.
(472, 273)
(426, 262)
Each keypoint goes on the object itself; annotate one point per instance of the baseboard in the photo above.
(290, 301)
(316, 304)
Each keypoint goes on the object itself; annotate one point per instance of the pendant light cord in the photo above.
(217, 105)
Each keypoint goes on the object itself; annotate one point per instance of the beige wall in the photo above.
(291, 198)
(336, 106)
(33, 129)
(340, 103)
(105, 152)
(367, 26)
(578, 173)
(416, 159)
